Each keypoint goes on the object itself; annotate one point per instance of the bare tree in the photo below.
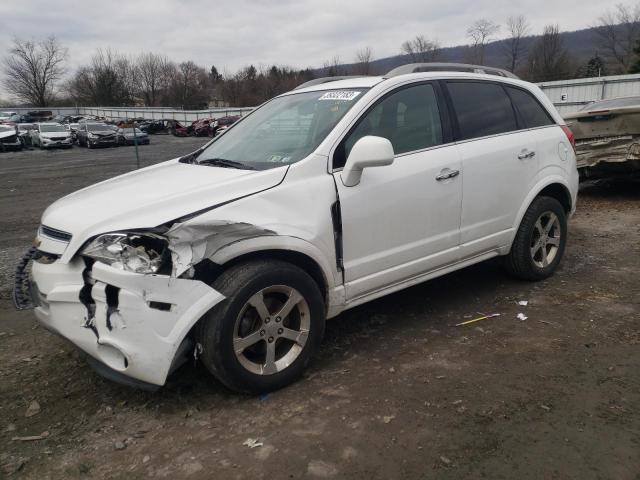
(481, 33)
(333, 67)
(363, 61)
(152, 76)
(421, 49)
(32, 69)
(188, 86)
(548, 59)
(514, 48)
(617, 33)
(107, 81)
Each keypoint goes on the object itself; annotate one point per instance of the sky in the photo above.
(296, 33)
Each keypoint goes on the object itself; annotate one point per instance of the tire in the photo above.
(534, 255)
(269, 284)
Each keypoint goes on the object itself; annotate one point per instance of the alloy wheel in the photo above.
(271, 330)
(545, 240)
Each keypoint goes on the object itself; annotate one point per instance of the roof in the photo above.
(448, 67)
(368, 82)
(355, 82)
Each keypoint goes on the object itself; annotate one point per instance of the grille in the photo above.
(58, 138)
(55, 234)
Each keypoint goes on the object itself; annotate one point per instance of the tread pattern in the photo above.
(214, 328)
(518, 262)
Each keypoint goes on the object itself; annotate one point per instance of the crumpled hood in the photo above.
(7, 133)
(150, 197)
(102, 133)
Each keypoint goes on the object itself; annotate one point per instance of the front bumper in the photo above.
(11, 145)
(107, 142)
(68, 142)
(134, 324)
(141, 141)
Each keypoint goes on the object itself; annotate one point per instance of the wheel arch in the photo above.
(290, 249)
(555, 187)
(560, 192)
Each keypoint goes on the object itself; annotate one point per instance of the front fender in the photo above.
(279, 242)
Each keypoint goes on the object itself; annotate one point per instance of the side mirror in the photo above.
(367, 152)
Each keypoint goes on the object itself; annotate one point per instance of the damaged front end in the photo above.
(118, 301)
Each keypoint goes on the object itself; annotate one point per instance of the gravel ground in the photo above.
(397, 391)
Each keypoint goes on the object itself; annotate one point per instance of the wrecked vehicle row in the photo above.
(204, 127)
(326, 197)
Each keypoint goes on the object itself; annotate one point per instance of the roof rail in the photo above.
(318, 81)
(448, 67)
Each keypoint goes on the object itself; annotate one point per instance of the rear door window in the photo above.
(532, 113)
(482, 109)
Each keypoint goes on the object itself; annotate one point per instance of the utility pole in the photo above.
(135, 142)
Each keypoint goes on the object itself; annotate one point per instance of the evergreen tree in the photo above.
(635, 66)
(595, 67)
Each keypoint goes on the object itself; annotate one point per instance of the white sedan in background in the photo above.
(49, 135)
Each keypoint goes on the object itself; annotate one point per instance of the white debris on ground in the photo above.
(252, 443)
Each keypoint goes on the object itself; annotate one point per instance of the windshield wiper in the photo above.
(222, 162)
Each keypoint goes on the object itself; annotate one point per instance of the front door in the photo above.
(401, 220)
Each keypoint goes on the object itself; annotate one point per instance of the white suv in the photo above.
(321, 199)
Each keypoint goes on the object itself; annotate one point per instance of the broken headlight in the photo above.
(133, 252)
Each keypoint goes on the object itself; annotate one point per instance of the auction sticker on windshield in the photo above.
(346, 95)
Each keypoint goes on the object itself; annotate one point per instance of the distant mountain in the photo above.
(580, 44)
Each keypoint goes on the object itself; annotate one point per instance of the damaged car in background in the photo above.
(607, 136)
(129, 135)
(91, 135)
(326, 197)
(9, 138)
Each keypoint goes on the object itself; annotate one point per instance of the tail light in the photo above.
(570, 136)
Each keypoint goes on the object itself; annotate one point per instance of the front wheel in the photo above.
(540, 240)
(264, 334)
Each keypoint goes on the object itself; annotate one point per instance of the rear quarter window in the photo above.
(532, 113)
(482, 109)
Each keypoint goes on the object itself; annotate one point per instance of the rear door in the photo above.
(401, 220)
(550, 140)
(499, 163)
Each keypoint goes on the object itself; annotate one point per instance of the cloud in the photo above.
(232, 34)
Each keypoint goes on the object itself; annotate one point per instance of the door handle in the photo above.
(446, 174)
(526, 154)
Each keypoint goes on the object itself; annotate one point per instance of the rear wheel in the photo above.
(540, 240)
(264, 334)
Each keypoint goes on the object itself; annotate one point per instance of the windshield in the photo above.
(4, 128)
(283, 131)
(97, 127)
(130, 130)
(52, 128)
